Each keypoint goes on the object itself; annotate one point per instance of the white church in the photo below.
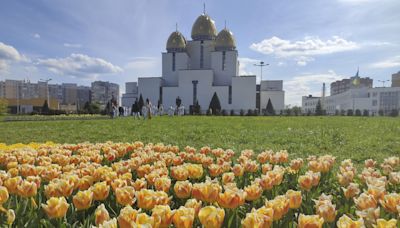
(194, 70)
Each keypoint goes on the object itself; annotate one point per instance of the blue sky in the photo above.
(306, 42)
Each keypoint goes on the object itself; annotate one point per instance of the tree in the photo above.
(215, 105)
(380, 112)
(3, 106)
(270, 108)
(349, 112)
(141, 103)
(45, 108)
(394, 113)
(318, 109)
(365, 112)
(358, 112)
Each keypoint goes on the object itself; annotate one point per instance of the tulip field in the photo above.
(246, 178)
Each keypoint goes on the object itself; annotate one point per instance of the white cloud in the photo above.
(72, 45)
(387, 63)
(8, 54)
(306, 84)
(244, 64)
(140, 63)
(36, 36)
(301, 50)
(79, 65)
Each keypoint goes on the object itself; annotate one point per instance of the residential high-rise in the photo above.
(396, 79)
(103, 92)
(350, 83)
(130, 95)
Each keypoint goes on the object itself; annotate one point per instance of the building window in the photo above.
(173, 61)
(223, 60)
(201, 56)
(195, 91)
(230, 95)
(374, 102)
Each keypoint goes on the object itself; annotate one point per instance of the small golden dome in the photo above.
(176, 42)
(204, 28)
(225, 40)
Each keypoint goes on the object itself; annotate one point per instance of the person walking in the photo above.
(148, 106)
(135, 110)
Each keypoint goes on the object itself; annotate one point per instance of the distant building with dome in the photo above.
(194, 70)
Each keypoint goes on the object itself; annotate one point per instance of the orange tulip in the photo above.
(162, 215)
(207, 191)
(12, 183)
(27, 189)
(127, 217)
(101, 215)
(228, 177)
(100, 191)
(179, 173)
(193, 203)
(238, 170)
(306, 182)
(351, 191)
(294, 198)
(280, 205)
(3, 195)
(255, 219)
(211, 216)
(390, 202)
(253, 191)
(365, 201)
(139, 184)
(125, 195)
(144, 220)
(195, 171)
(183, 189)
(83, 200)
(147, 199)
(56, 207)
(231, 198)
(308, 221)
(183, 217)
(162, 184)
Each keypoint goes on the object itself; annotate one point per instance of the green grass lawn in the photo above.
(357, 138)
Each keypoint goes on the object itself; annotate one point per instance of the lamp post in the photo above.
(261, 65)
(47, 89)
(383, 82)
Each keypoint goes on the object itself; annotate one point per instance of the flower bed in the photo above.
(132, 184)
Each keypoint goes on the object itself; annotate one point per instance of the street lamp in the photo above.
(383, 82)
(47, 89)
(261, 65)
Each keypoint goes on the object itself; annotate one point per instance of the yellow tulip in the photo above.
(101, 215)
(310, 221)
(112, 223)
(369, 216)
(140, 184)
(12, 184)
(327, 211)
(382, 223)
(294, 198)
(253, 192)
(184, 217)
(346, 222)
(255, 220)
(183, 189)
(10, 216)
(365, 201)
(27, 189)
(238, 170)
(162, 184)
(193, 203)
(228, 177)
(162, 215)
(280, 205)
(231, 198)
(390, 202)
(125, 195)
(207, 191)
(83, 200)
(211, 216)
(147, 199)
(144, 220)
(195, 171)
(351, 191)
(3, 195)
(85, 182)
(127, 217)
(179, 173)
(215, 170)
(305, 182)
(100, 191)
(56, 207)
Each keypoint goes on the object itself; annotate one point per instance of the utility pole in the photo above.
(383, 82)
(261, 65)
(47, 89)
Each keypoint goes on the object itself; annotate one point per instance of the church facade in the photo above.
(194, 70)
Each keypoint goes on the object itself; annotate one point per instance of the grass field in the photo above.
(357, 138)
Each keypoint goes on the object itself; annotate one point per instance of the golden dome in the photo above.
(204, 28)
(176, 42)
(225, 40)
